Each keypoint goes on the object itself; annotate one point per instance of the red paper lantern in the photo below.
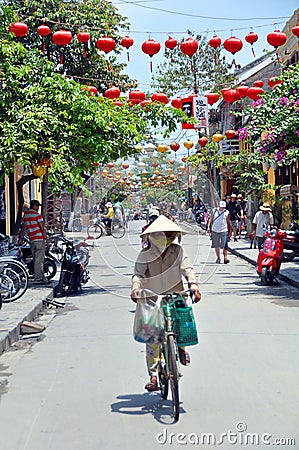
(251, 38)
(258, 83)
(255, 92)
(106, 44)
(110, 165)
(212, 97)
(125, 165)
(233, 45)
(176, 103)
(242, 90)
(19, 29)
(91, 89)
(230, 95)
(171, 161)
(189, 47)
(276, 38)
(230, 134)
(62, 37)
(174, 146)
(273, 81)
(112, 93)
(117, 103)
(151, 48)
(127, 42)
(43, 30)
(184, 158)
(160, 97)
(203, 141)
(145, 103)
(83, 37)
(137, 95)
(171, 43)
(215, 42)
(295, 30)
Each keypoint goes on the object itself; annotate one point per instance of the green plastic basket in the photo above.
(184, 325)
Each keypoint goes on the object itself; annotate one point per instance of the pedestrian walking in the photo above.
(261, 221)
(161, 268)
(234, 210)
(219, 225)
(33, 224)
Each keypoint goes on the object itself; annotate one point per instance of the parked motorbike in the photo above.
(291, 244)
(270, 256)
(24, 254)
(73, 273)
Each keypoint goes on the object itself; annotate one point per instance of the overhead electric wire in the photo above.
(201, 16)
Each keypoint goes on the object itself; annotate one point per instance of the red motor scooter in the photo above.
(270, 256)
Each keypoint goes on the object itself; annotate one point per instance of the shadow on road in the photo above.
(146, 403)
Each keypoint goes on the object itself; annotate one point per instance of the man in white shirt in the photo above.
(220, 227)
(260, 223)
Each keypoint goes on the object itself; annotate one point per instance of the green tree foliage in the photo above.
(180, 74)
(274, 126)
(98, 17)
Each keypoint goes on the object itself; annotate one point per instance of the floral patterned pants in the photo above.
(152, 358)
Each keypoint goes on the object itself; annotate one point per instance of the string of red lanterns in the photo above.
(151, 47)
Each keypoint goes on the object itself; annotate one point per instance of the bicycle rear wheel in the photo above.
(94, 231)
(118, 230)
(173, 375)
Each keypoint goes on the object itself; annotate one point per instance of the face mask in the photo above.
(161, 241)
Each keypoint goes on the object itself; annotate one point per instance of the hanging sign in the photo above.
(196, 107)
(200, 113)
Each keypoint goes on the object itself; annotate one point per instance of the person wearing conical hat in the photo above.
(161, 268)
(261, 221)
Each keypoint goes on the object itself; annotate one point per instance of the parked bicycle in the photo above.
(14, 277)
(97, 229)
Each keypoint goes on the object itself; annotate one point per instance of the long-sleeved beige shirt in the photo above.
(163, 275)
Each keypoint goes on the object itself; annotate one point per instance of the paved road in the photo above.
(81, 386)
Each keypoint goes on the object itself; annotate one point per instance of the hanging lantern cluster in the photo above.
(151, 47)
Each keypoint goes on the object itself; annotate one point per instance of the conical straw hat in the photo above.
(162, 224)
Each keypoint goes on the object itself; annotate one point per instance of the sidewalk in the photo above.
(289, 271)
(27, 308)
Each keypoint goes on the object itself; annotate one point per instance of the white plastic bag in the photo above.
(149, 322)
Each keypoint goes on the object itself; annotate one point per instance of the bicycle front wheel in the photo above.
(94, 231)
(173, 375)
(18, 276)
(118, 230)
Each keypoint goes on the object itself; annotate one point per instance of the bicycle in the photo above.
(97, 229)
(14, 279)
(179, 330)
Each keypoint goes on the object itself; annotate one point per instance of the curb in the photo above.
(253, 262)
(13, 334)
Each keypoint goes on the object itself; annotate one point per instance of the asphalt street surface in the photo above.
(80, 386)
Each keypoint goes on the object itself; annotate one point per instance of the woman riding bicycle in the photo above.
(161, 268)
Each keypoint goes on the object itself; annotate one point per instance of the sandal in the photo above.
(184, 357)
(152, 385)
